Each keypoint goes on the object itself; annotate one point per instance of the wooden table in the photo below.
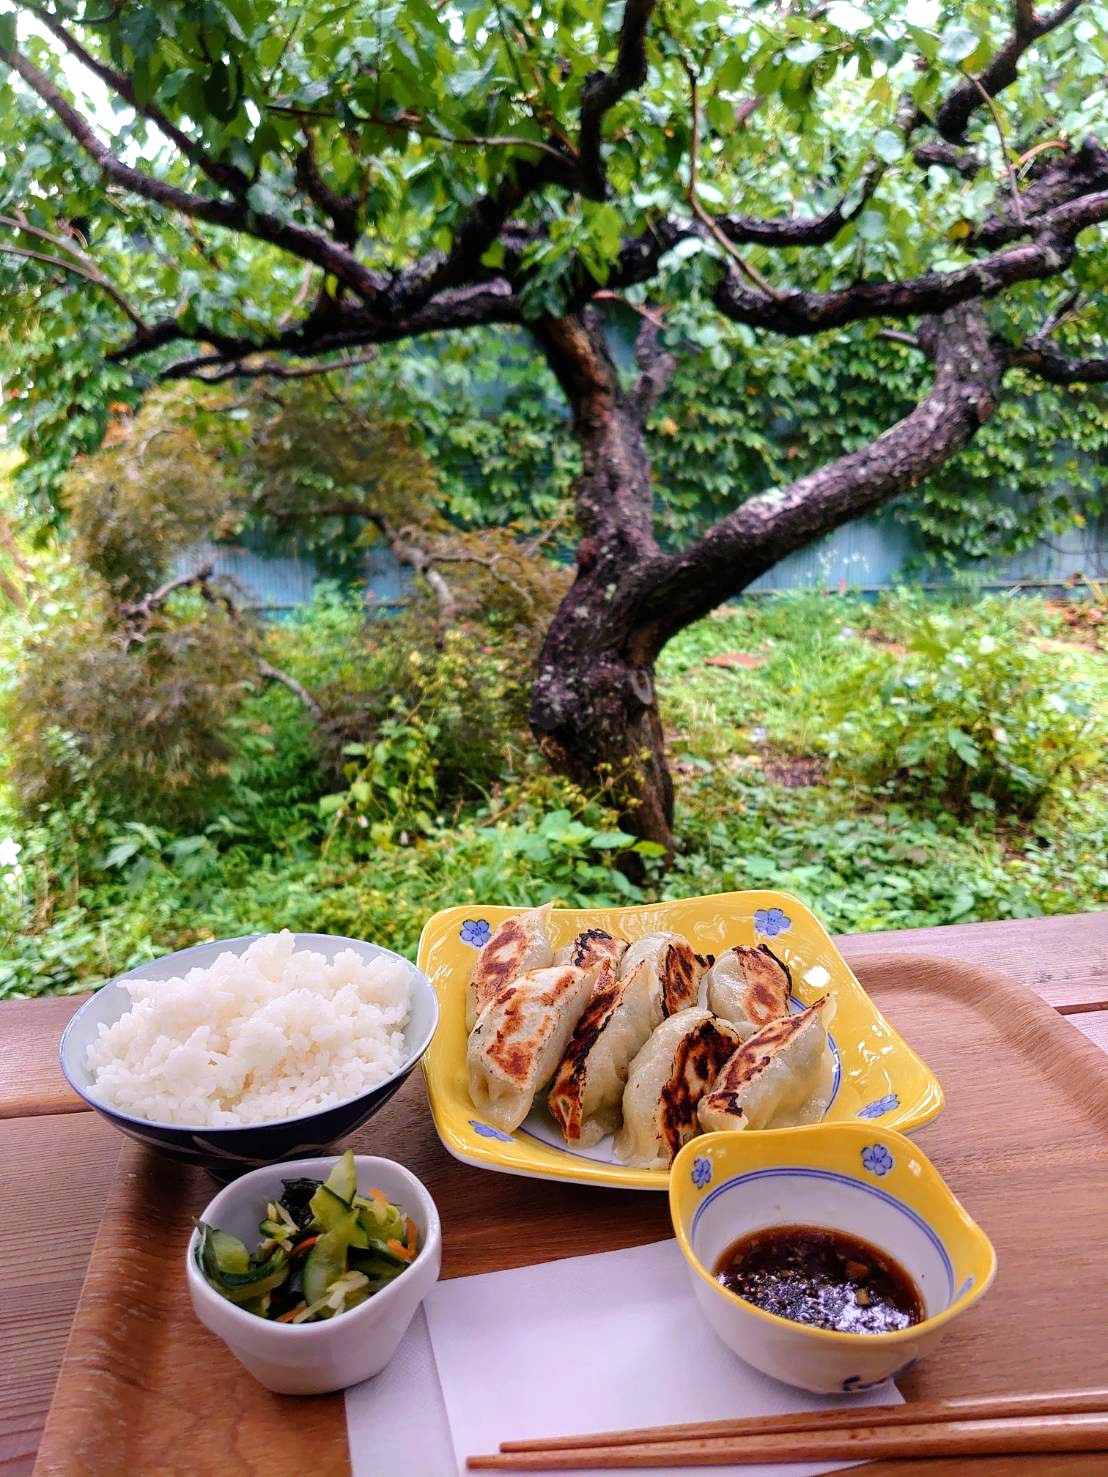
(64, 1156)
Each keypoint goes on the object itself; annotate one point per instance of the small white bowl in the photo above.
(314, 1358)
(852, 1177)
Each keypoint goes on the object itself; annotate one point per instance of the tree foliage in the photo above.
(155, 489)
(242, 197)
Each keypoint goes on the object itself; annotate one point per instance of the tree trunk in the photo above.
(595, 712)
(594, 709)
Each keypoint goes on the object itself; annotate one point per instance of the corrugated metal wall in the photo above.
(872, 553)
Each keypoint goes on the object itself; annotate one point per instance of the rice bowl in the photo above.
(274, 1032)
(230, 1149)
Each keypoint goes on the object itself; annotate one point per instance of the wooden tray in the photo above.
(144, 1389)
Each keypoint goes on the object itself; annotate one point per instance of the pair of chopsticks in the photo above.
(1006, 1425)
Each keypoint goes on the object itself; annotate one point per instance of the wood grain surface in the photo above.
(55, 1174)
(144, 1389)
(1064, 960)
(31, 1080)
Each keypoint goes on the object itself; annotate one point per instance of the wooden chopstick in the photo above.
(974, 1407)
(1015, 1435)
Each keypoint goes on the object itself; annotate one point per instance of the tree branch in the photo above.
(484, 222)
(1009, 167)
(1001, 70)
(341, 210)
(1079, 172)
(227, 176)
(1050, 363)
(331, 255)
(946, 156)
(138, 612)
(602, 90)
(75, 261)
(348, 326)
(275, 674)
(796, 230)
(696, 205)
(683, 587)
(800, 313)
(270, 369)
(655, 364)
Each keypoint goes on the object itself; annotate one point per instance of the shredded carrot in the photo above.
(411, 1234)
(401, 1251)
(291, 1314)
(303, 1245)
(380, 1198)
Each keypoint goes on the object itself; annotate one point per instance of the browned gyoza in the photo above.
(518, 945)
(519, 1039)
(780, 1077)
(618, 1020)
(678, 966)
(749, 987)
(667, 1079)
(592, 949)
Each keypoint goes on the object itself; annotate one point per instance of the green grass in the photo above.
(788, 776)
(863, 855)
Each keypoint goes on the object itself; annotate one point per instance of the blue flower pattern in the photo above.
(701, 1171)
(880, 1106)
(771, 922)
(877, 1160)
(487, 1132)
(475, 931)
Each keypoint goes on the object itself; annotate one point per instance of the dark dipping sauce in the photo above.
(826, 1279)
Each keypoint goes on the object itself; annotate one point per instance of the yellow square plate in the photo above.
(877, 1075)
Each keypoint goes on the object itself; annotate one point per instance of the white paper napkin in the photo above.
(586, 1344)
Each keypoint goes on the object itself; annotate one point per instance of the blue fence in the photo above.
(870, 554)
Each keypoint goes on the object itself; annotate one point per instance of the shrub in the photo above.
(138, 719)
(973, 720)
(154, 489)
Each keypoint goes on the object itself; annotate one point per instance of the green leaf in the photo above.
(610, 840)
(958, 44)
(889, 145)
(872, 225)
(141, 29)
(223, 89)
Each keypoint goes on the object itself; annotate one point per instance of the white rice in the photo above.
(254, 1037)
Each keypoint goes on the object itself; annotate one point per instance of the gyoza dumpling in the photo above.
(749, 988)
(591, 949)
(520, 1038)
(518, 945)
(676, 964)
(588, 1087)
(667, 1079)
(780, 1077)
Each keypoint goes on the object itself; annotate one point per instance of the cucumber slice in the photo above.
(343, 1179)
(326, 1262)
(331, 1213)
(222, 1254)
(250, 1284)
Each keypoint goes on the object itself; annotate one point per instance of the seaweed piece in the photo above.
(297, 1200)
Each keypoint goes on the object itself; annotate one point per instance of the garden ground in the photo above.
(897, 763)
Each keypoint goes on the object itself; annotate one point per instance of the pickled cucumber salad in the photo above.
(325, 1248)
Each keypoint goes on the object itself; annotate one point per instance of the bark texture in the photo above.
(594, 709)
